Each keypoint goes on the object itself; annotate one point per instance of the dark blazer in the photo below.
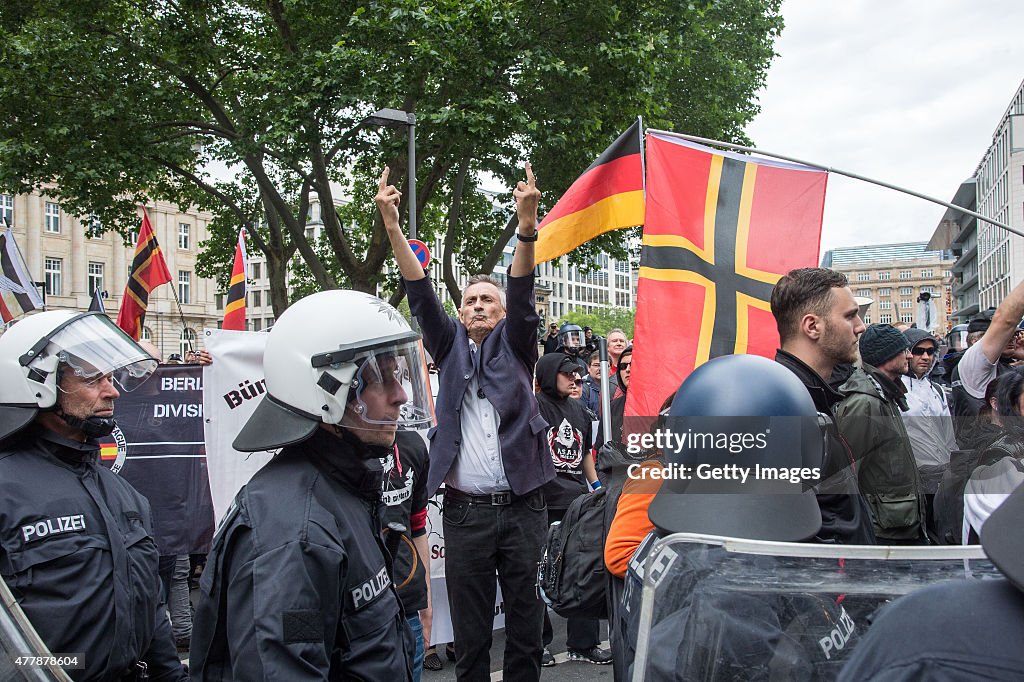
(508, 356)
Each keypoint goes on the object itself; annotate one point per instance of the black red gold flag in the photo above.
(234, 309)
(720, 230)
(149, 270)
(608, 196)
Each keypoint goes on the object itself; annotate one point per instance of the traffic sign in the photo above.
(421, 251)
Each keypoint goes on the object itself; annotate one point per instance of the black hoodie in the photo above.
(568, 437)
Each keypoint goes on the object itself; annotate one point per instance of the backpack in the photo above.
(948, 505)
(571, 577)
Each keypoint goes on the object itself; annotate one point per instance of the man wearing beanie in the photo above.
(870, 419)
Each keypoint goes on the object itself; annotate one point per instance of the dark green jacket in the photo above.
(870, 419)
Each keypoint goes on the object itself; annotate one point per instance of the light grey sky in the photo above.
(905, 91)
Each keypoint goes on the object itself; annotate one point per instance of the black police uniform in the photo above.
(296, 585)
(77, 550)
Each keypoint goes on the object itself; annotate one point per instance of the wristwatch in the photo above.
(526, 238)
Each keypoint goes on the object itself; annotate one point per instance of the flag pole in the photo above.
(837, 171)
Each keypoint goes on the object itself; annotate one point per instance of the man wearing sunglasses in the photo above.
(76, 540)
(928, 420)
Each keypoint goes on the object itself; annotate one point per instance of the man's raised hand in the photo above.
(527, 198)
(388, 199)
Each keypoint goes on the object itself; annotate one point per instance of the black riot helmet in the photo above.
(571, 338)
(736, 413)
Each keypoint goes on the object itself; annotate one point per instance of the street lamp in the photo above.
(394, 118)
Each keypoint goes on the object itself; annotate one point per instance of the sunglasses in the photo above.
(625, 365)
(923, 351)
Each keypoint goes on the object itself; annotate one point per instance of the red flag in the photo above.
(148, 271)
(234, 309)
(719, 231)
(609, 195)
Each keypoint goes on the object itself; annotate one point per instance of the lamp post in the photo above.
(395, 118)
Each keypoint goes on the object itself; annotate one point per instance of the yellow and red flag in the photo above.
(149, 270)
(608, 196)
(720, 230)
(234, 309)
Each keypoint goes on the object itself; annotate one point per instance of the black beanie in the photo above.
(881, 342)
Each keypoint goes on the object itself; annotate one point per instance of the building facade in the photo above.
(69, 260)
(894, 276)
(1000, 195)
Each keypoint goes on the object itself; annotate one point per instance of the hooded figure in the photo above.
(570, 430)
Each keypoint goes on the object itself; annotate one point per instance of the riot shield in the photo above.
(717, 608)
(23, 655)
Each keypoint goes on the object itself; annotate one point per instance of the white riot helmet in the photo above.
(39, 348)
(321, 354)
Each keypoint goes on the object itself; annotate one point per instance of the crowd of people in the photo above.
(320, 567)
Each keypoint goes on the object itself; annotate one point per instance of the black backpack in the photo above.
(948, 505)
(571, 576)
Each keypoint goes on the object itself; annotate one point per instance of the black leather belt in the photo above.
(501, 499)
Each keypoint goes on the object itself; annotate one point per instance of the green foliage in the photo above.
(604, 319)
(118, 102)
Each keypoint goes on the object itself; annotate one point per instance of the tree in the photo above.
(603, 320)
(123, 101)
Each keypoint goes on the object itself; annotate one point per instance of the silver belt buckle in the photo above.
(501, 499)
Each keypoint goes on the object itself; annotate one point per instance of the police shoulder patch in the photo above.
(301, 626)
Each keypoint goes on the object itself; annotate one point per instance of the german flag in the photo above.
(720, 230)
(609, 195)
(234, 309)
(148, 272)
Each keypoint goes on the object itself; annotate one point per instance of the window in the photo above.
(257, 299)
(884, 276)
(95, 229)
(947, 273)
(147, 334)
(906, 274)
(184, 232)
(885, 305)
(219, 298)
(885, 291)
(927, 273)
(928, 290)
(309, 235)
(906, 304)
(863, 276)
(268, 323)
(906, 291)
(256, 267)
(257, 324)
(186, 341)
(95, 277)
(184, 286)
(867, 318)
(909, 319)
(864, 292)
(52, 268)
(885, 319)
(6, 209)
(52, 217)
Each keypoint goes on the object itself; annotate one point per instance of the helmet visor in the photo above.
(92, 347)
(572, 339)
(391, 386)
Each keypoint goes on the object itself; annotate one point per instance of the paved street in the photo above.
(565, 670)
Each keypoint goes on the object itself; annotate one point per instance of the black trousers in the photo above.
(481, 540)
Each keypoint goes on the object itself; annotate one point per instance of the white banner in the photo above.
(233, 387)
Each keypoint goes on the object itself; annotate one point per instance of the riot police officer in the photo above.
(76, 541)
(298, 583)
